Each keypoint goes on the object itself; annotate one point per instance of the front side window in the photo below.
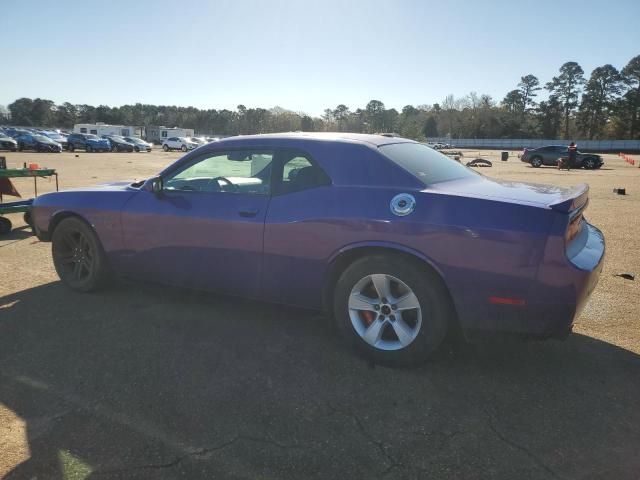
(243, 171)
(426, 164)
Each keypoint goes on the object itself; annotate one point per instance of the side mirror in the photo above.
(156, 185)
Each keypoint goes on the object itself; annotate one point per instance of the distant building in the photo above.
(157, 134)
(100, 129)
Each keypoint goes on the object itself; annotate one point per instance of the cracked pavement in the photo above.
(157, 383)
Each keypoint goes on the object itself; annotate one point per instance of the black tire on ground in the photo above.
(89, 149)
(5, 225)
(70, 147)
(27, 219)
(78, 256)
(536, 162)
(437, 312)
(183, 148)
(165, 147)
(137, 149)
(589, 163)
(20, 147)
(114, 148)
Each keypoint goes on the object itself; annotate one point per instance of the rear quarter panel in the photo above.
(481, 248)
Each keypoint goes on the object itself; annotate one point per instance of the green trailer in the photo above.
(21, 206)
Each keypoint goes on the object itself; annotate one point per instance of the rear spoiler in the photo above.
(573, 200)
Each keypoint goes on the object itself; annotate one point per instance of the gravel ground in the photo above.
(144, 381)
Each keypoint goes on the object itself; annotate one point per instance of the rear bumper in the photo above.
(564, 293)
(553, 299)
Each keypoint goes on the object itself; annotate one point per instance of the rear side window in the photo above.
(426, 164)
(299, 173)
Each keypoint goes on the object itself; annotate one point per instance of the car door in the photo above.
(205, 228)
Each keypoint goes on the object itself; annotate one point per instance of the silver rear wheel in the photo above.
(385, 312)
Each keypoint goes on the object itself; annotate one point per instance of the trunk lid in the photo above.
(561, 199)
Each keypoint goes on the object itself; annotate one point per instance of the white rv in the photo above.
(100, 129)
(158, 134)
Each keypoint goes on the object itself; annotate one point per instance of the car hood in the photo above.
(113, 186)
(524, 193)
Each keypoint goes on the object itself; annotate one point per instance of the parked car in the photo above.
(118, 143)
(178, 143)
(139, 145)
(39, 143)
(88, 142)
(57, 137)
(199, 140)
(549, 155)
(16, 132)
(8, 143)
(400, 244)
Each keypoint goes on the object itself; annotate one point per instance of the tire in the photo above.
(28, 219)
(70, 147)
(536, 162)
(137, 149)
(589, 163)
(183, 148)
(5, 225)
(423, 329)
(20, 147)
(165, 147)
(114, 149)
(78, 256)
(89, 149)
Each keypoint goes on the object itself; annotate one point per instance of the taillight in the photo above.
(574, 229)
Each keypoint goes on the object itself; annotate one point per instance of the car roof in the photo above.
(371, 139)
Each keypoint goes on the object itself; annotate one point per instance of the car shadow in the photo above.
(141, 381)
(18, 233)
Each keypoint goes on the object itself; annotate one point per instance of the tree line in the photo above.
(604, 106)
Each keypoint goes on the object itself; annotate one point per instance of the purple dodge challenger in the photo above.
(395, 240)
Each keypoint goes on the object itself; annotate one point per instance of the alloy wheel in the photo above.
(385, 312)
(76, 256)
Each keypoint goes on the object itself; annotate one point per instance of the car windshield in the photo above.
(133, 139)
(91, 137)
(42, 138)
(426, 164)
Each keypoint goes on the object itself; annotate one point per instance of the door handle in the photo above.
(248, 212)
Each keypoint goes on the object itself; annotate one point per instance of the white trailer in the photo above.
(158, 134)
(100, 129)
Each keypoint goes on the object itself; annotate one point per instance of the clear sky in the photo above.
(301, 55)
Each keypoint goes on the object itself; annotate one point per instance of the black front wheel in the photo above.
(536, 162)
(89, 149)
(589, 163)
(78, 256)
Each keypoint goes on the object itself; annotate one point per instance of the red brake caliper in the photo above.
(367, 317)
